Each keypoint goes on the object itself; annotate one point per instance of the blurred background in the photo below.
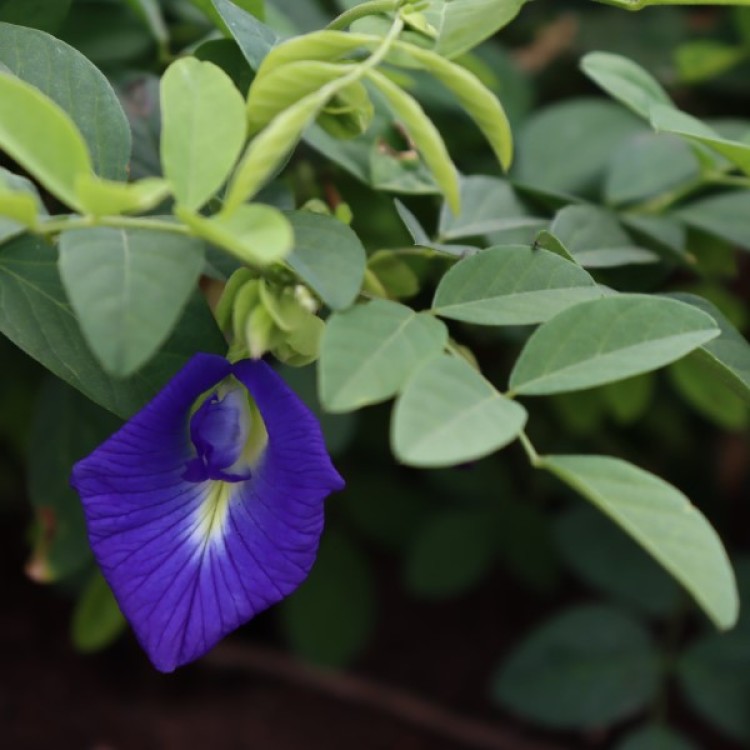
(477, 607)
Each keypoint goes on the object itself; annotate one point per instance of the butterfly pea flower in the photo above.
(206, 507)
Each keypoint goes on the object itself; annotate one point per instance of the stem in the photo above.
(640, 4)
(533, 456)
(118, 222)
(348, 17)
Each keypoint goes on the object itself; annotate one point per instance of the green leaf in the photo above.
(20, 205)
(724, 215)
(198, 149)
(567, 147)
(513, 285)
(100, 197)
(586, 668)
(451, 551)
(128, 289)
(595, 239)
(255, 233)
(329, 619)
(66, 427)
(150, 12)
(369, 352)
(670, 120)
(609, 561)
(36, 316)
(448, 414)
(75, 84)
(626, 81)
(648, 165)
(704, 59)
(254, 38)
(655, 738)
(97, 620)
(462, 24)
(663, 521)
(714, 676)
(488, 204)
(45, 15)
(328, 256)
(608, 339)
(425, 136)
(41, 137)
(729, 353)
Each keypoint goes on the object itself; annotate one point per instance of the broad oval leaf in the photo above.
(78, 87)
(100, 197)
(42, 138)
(448, 414)
(328, 256)
(724, 215)
(369, 352)
(254, 38)
(663, 521)
(36, 316)
(203, 129)
(588, 667)
(608, 339)
(626, 81)
(128, 289)
(513, 285)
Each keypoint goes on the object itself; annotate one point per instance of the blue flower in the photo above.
(202, 517)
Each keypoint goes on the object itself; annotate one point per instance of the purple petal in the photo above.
(189, 561)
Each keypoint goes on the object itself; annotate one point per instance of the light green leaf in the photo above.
(670, 120)
(488, 204)
(36, 316)
(254, 38)
(97, 620)
(724, 215)
(277, 90)
(451, 551)
(703, 59)
(20, 205)
(608, 339)
(588, 667)
(626, 81)
(595, 239)
(425, 136)
(65, 428)
(369, 352)
(330, 618)
(463, 24)
(728, 355)
(45, 15)
(198, 148)
(328, 256)
(128, 289)
(663, 521)
(41, 137)
(513, 285)
(591, 129)
(100, 197)
(609, 561)
(448, 414)
(75, 84)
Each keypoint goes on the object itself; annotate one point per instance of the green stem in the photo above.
(56, 226)
(533, 456)
(348, 17)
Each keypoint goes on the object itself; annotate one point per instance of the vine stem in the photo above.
(348, 17)
(118, 222)
(533, 456)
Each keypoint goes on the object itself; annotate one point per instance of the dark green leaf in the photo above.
(725, 215)
(97, 620)
(45, 15)
(655, 738)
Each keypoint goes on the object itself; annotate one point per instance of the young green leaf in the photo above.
(100, 197)
(325, 46)
(608, 339)
(449, 414)
(626, 81)
(663, 521)
(128, 289)
(328, 256)
(512, 286)
(78, 87)
(20, 205)
(425, 135)
(369, 352)
(41, 137)
(203, 129)
(588, 667)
